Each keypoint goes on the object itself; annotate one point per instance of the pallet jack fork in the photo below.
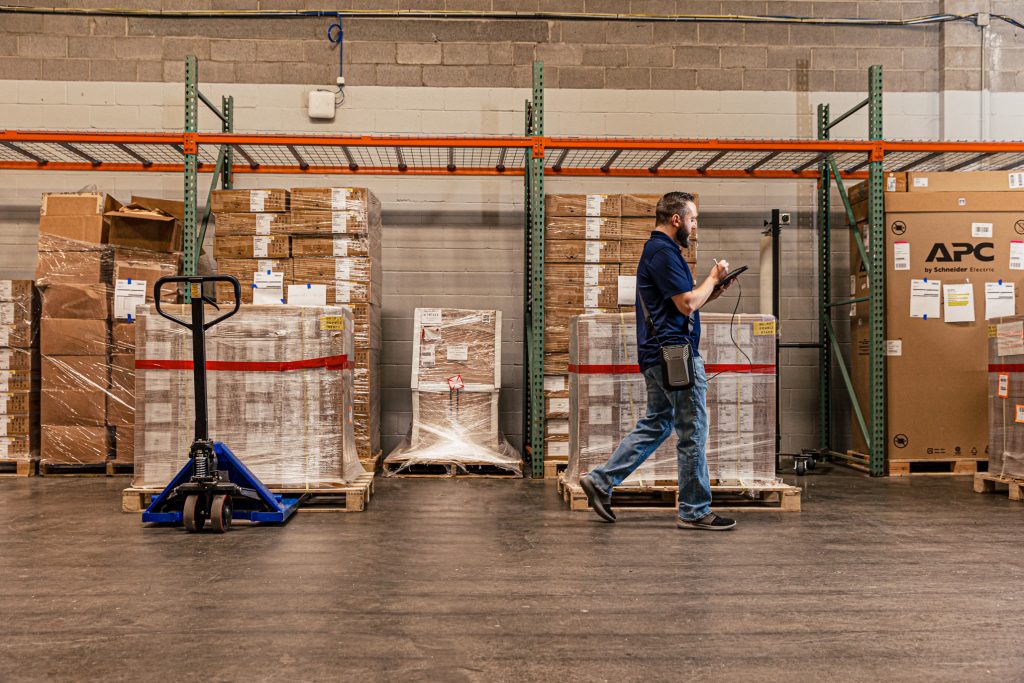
(214, 485)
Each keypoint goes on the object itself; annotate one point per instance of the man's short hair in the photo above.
(671, 204)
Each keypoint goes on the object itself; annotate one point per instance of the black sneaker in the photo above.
(601, 503)
(709, 522)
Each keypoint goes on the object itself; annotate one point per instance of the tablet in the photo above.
(733, 274)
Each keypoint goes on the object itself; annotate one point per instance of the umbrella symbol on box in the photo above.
(455, 383)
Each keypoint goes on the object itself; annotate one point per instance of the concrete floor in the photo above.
(493, 580)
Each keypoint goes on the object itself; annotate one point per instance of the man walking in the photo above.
(665, 286)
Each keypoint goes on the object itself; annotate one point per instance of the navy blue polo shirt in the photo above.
(661, 274)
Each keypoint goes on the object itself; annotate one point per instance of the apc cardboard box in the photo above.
(333, 199)
(973, 181)
(249, 201)
(17, 290)
(575, 284)
(582, 205)
(639, 204)
(306, 245)
(18, 425)
(19, 402)
(251, 224)
(953, 238)
(71, 445)
(581, 228)
(240, 246)
(892, 181)
(19, 359)
(327, 223)
(581, 251)
(66, 337)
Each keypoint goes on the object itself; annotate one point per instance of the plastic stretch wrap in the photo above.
(279, 394)
(19, 361)
(608, 397)
(1006, 398)
(456, 378)
(249, 201)
(591, 285)
(258, 247)
(582, 205)
(581, 228)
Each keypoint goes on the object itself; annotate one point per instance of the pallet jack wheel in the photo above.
(193, 515)
(800, 468)
(810, 464)
(220, 513)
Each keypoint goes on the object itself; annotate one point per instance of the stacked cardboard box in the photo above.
(1006, 398)
(592, 247)
(252, 242)
(287, 414)
(456, 378)
(97, 260)
(19, 371)
(608, 396)
(941, 230)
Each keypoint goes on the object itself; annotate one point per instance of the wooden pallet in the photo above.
(727, 498)
(344, 498)
(553, 467)
(117, 468)
(447, 470)
(91, 469)
(372, 463)
(18, 468)
(988, 483)
(945, 467)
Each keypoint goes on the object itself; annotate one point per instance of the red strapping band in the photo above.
(713, 368)
(1006, 367)
(329, 362)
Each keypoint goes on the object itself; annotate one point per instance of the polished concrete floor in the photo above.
(493, 580)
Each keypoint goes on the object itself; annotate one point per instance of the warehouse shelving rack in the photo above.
(535, 157)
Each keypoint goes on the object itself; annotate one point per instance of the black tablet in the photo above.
(733, 274)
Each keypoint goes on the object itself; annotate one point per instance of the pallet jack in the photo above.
(214, 485)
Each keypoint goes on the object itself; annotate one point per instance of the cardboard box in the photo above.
(19, 380)
(249, 201)
(332, 199)
(140, 227)
(84, 229)
(124, 444)
(121, 397)
(18, 359)
(953, 238)
(171, 206)
(893, 181)
(244, 270)
(581, 251)
(15, 313)
(19, 402)
(122, 337)
(582, 205)
(67, 445)
(251, 224)
(239, 246)
(17, 425)
(581, 227)
(76, 372)
(556, 448)
(332, 223)
(574, 285)
(73, 407)
(77, 204)
(638, 229)
(74, 267)
(80, 302)
(639, 204)
(556, 363)
(17, 290)
(65, 337)
(330, 246)
(972, 181)
(15, 447)
(327, 270)
(449, 342)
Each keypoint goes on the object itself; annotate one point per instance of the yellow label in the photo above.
(197, 290)
(763, 329)
(991, 331)
(332, 323)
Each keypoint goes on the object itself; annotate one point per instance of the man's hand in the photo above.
(719, 272)
(719, 290)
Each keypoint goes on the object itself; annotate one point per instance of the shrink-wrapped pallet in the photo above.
(19, 355)
(1006, 398)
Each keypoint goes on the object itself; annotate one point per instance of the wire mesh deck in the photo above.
(494, 155)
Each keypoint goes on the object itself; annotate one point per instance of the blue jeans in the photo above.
(687, 413)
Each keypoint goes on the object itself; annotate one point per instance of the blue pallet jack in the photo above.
(214, 485)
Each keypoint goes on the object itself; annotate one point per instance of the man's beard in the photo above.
(682, 238)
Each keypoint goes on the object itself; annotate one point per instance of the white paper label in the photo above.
(890, 184)
(592, 275)
(593, 229)
(307, 295)
(257, 200)
(260, 247)
(894, 347)
(959, 303)
(593, 252)
(600, 356)
(1000, 300)
(853, 293)
(962, 201)
(342, 293)
(594, 202)
(901, 255)
(428, 355)
(7, 314)
(6, 289)
(430, 316)
(925, 299)
(1010, 339)
(1017, 255)
(921, 182)
(558, 427)
(4, 449)
(127, 295)
(558, 449)
(601, 386)
(981, 230)
(5, 335)
(268, 288)
(263, 221)
(339, 198)
(5, 360)
(458, 352)
(5, 381)
(554, 383)
(1016, 180)
(558, 405)
(340, 246)
(627, 290)
(266, 264)
(600, 415)
(592, 296)
(339, 222)
(342, 270)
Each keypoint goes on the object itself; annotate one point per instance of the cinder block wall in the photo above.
(458, 242)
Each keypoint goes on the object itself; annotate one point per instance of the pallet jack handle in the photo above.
(196, 282)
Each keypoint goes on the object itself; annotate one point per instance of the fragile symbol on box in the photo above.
(455, 383)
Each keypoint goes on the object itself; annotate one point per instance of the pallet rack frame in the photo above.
(535, 157)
